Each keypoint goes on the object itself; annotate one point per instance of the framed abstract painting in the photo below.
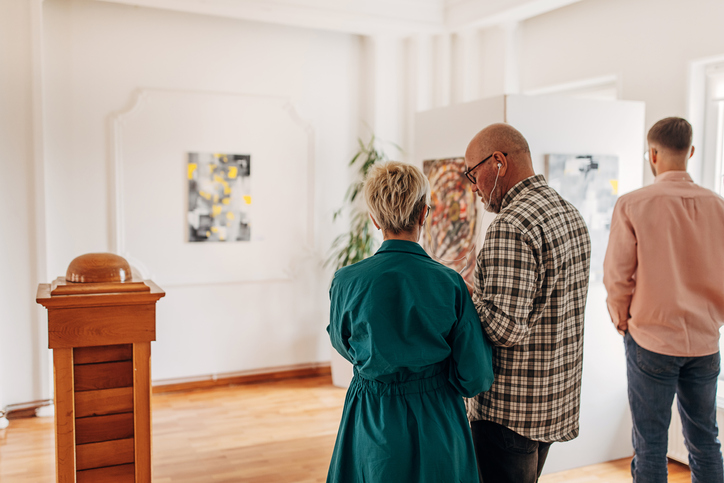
(219, 197)
(590, 183)
(449, 235)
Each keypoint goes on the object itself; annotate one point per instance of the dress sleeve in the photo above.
(338, 328)
(619, 266)
(471, 365)
(505, 284)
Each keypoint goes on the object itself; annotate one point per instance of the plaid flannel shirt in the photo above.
(531, 285)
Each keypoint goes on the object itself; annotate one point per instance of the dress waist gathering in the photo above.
(398, 388)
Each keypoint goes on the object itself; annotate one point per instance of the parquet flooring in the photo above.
(275, 432)
(618, 471)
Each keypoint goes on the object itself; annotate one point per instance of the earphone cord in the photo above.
(475, 239)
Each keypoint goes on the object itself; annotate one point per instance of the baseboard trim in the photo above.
(21, 413)
(257, 376)
(25, 410)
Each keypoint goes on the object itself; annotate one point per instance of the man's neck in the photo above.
(666, 169)
(517, 179)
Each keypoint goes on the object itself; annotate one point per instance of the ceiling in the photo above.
(367, 17)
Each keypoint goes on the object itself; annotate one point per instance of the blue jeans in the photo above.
(653, 379)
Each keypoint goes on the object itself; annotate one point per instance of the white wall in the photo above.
(445, 132)
(19, 349)
(648, 43)
(564, 126)
(97, 55)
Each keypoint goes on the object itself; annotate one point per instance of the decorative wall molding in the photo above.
(311, 171)
(119, 124)
(116, 214)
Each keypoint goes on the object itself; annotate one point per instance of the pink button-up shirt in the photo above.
(664, 266)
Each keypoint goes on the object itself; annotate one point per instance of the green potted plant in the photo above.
(359, 241)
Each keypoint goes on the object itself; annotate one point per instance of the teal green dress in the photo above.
(408, 326)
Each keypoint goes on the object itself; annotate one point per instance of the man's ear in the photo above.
(653, 155)
(374, 222)
(501, 163)
(692, 152)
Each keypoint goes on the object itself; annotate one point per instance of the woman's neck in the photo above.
(412, 235)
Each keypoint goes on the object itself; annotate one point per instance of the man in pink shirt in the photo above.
(664, 273)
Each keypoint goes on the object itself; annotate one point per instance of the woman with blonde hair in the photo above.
(409, 327)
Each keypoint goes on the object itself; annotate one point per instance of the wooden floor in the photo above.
(278, 432)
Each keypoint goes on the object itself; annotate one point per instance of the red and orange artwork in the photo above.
(450, 229)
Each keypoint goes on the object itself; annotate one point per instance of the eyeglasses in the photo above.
(468, 172)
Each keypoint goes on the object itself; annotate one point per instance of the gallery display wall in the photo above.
(123, 112)
(559, 125)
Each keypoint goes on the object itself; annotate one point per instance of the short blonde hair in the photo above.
(396, 193)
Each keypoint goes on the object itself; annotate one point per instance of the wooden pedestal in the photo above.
(101, 337)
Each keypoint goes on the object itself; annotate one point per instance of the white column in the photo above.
(443, 70)
(383, 78)
(466, 66)
(423, 73)
(45, 359)
(511, 66)
(418, 91)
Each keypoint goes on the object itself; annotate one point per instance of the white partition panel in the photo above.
(561, 125)
(446, 131)
(565, 126)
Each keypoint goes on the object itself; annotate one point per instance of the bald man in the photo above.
(530, 292)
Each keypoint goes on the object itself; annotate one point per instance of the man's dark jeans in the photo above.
(652, 381)
(505, 456)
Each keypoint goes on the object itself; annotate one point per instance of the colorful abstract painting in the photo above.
(450, 229)
(590, 183)
(219, 197)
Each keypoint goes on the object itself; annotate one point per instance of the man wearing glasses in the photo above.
(530, 292)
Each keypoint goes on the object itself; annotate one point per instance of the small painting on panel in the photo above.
(219, 197)
(449, 235)
(590, 183)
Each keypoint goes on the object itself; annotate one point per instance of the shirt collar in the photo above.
(521, 186)
(402, 246)
(675, 175)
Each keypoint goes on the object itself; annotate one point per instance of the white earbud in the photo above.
(499, 166)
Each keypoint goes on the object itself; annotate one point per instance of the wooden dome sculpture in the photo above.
(97, 268)
(101, 322)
